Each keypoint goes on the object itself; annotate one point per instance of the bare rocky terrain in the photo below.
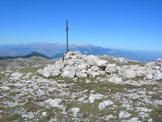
(80, 88)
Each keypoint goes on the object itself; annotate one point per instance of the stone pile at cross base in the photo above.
(77, 65)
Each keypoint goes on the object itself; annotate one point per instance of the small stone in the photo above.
(5, 88)
(28, 115)
(143, 109)
(16, 76)
(104, 104)
(88, 81)
(44, 113)
(134, 119)
(158, 102)
(124, 115)
(94, 97)
(54, 102)
(115, 79)
(75, 111)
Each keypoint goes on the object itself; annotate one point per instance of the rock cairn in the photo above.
(79, 65)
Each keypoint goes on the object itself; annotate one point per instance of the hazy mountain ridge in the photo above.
(56, 50)
(36, 54)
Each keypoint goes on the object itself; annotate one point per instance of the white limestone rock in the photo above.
(69, 72)
(94, 97)
(111, 68)
(44, 113)
(91, 60)
(75, 111)
(82, 66)
(101, 63)
(143, 109)
(28, 115)
(115, 79)
(158, 102)
(93, 71)
(105, 104)
(55, 73)
(124, 115)
(16, 76)
(46, 72)
(149, 76)
(56, 103)
(120, 60)
(70, 62)
(5, 88)
(134, 119)
(141, 71)
(81, 74)
(157, 75)
(129, 73)
(68, 55)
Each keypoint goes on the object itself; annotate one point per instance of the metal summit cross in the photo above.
(67, 43)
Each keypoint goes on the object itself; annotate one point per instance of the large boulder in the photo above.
(52, 70)
(101, 63)
(93, 71)
(55, 73)
(91, 60)
(69, 72)
(81, 74)
(82, 66)
(149, 76)
(57, 68)
(129, 73)
(141, 71)
(46, 72)
(157, 75)
(111, 68)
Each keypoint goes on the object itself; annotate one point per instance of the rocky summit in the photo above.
(77, 65)
(80, 87)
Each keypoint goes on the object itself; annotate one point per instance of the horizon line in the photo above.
(75, 44)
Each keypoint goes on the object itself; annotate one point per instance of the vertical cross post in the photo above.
(67, 43)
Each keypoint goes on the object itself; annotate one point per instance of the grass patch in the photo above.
(11, 118)
(29, 69)
(156, 114)
(31, 106)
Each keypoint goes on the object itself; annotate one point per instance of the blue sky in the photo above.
(122, 24)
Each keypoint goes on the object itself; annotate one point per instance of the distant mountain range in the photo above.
(55, 50)
(25, 56)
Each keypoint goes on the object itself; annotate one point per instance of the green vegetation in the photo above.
(156, 114)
